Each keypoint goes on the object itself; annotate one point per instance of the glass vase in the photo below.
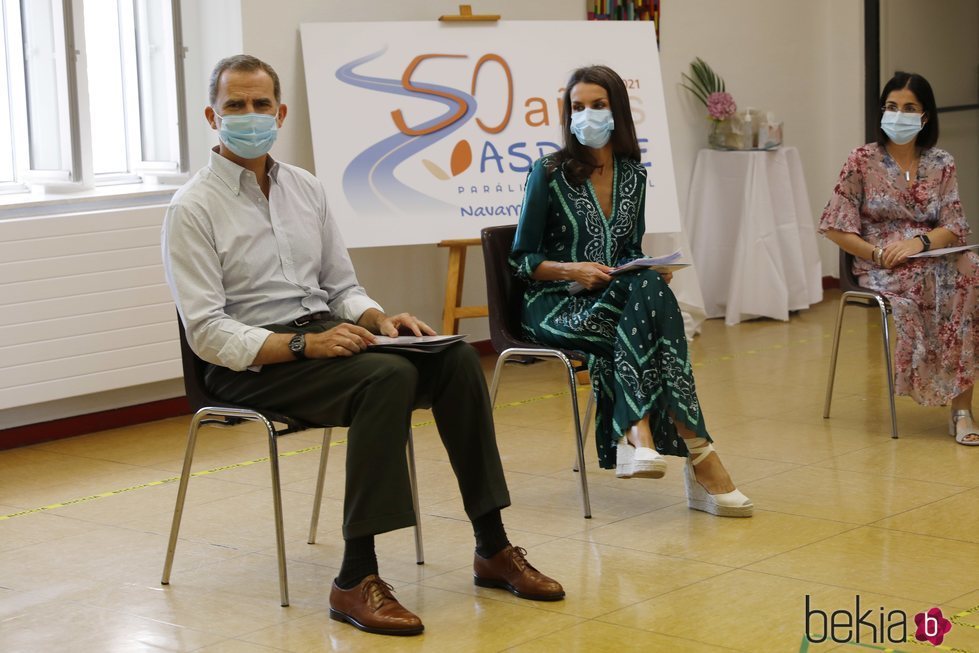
(723, 135)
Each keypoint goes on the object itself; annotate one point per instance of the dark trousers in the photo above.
(374, 394)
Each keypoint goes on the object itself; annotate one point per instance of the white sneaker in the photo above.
(729, 504)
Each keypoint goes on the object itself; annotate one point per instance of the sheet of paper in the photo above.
(661, 264)
(416, 340)
(646, 262)
(943, 251)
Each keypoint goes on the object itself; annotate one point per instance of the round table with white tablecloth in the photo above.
(752, 234)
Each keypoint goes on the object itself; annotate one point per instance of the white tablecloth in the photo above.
(752, 234)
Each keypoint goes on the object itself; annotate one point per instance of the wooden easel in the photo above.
(453, 310)
(466, 15)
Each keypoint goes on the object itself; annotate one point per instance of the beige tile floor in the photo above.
(843, 512)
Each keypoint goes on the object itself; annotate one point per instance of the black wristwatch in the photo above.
(926, 241)
(298, 346)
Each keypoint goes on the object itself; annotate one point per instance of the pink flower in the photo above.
(932, 626)
(720, 105)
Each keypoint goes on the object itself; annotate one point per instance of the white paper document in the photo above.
(425, 344)
(647, 262)
(943, 251)
(661, 264)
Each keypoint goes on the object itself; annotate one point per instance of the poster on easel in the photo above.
(425, 131)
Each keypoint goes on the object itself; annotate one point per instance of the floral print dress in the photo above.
(935, 301)
(632, 330)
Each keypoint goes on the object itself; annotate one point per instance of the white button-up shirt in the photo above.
(235, 260)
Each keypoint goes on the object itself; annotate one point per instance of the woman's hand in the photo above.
(593, 276)
(898, 252)
(667, 277)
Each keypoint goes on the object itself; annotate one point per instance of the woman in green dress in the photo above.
(582, 215)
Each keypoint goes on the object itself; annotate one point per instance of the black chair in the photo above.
(855, 294)
(210, 410)
(504, 293)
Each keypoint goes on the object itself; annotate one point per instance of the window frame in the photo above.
(76, 147)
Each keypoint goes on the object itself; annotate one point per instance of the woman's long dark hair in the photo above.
(577, 159)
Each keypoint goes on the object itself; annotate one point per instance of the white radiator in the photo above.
(83, 305)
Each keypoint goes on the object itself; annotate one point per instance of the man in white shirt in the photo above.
(268, 296)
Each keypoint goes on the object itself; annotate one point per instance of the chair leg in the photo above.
(832, 362)
(573, 389)
(886, 333)
(585, 425)
(579, 439)
(495, 384)
(413, 481)
(314, 520)
(280, 540)
(178, 509)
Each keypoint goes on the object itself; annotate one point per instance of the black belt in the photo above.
(312, 317)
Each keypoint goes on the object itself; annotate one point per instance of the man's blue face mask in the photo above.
(248, 135)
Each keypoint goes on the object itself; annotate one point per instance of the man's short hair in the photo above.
(241, 63)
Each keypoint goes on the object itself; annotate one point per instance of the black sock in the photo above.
(490, 536)
(359, 561)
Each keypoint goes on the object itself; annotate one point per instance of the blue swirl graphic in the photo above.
(368, 181)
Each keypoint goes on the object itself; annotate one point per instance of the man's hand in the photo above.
(404, 323)
(377, 322)
(898, 252)
(592, 276)
(341, 340)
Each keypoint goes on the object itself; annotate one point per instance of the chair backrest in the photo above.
(199, 397)
(848, 282)
(504, 290)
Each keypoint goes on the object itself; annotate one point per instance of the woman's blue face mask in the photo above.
(901, 127)
(592, 127)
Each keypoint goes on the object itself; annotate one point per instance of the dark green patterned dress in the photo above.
(632, 329)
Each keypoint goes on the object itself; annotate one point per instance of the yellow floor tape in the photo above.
(512, 404)
(205, 472)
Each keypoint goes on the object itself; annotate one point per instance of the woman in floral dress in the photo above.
(582, 214)
(896, 198)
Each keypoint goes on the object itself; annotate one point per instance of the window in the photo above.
(91, 92)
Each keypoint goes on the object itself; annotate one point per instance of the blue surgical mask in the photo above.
(901, 127)
(592, 127)
(248, 135)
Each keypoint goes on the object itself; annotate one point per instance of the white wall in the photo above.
(211, 31)
(802, 60)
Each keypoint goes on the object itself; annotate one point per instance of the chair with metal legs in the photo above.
(504, 293)
(855, 294)
(210, 410)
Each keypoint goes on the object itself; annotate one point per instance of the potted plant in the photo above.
(708, 87)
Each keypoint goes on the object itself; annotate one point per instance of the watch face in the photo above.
(298, 345)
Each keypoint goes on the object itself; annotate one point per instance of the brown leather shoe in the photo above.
(371, 606)
(510, 570)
